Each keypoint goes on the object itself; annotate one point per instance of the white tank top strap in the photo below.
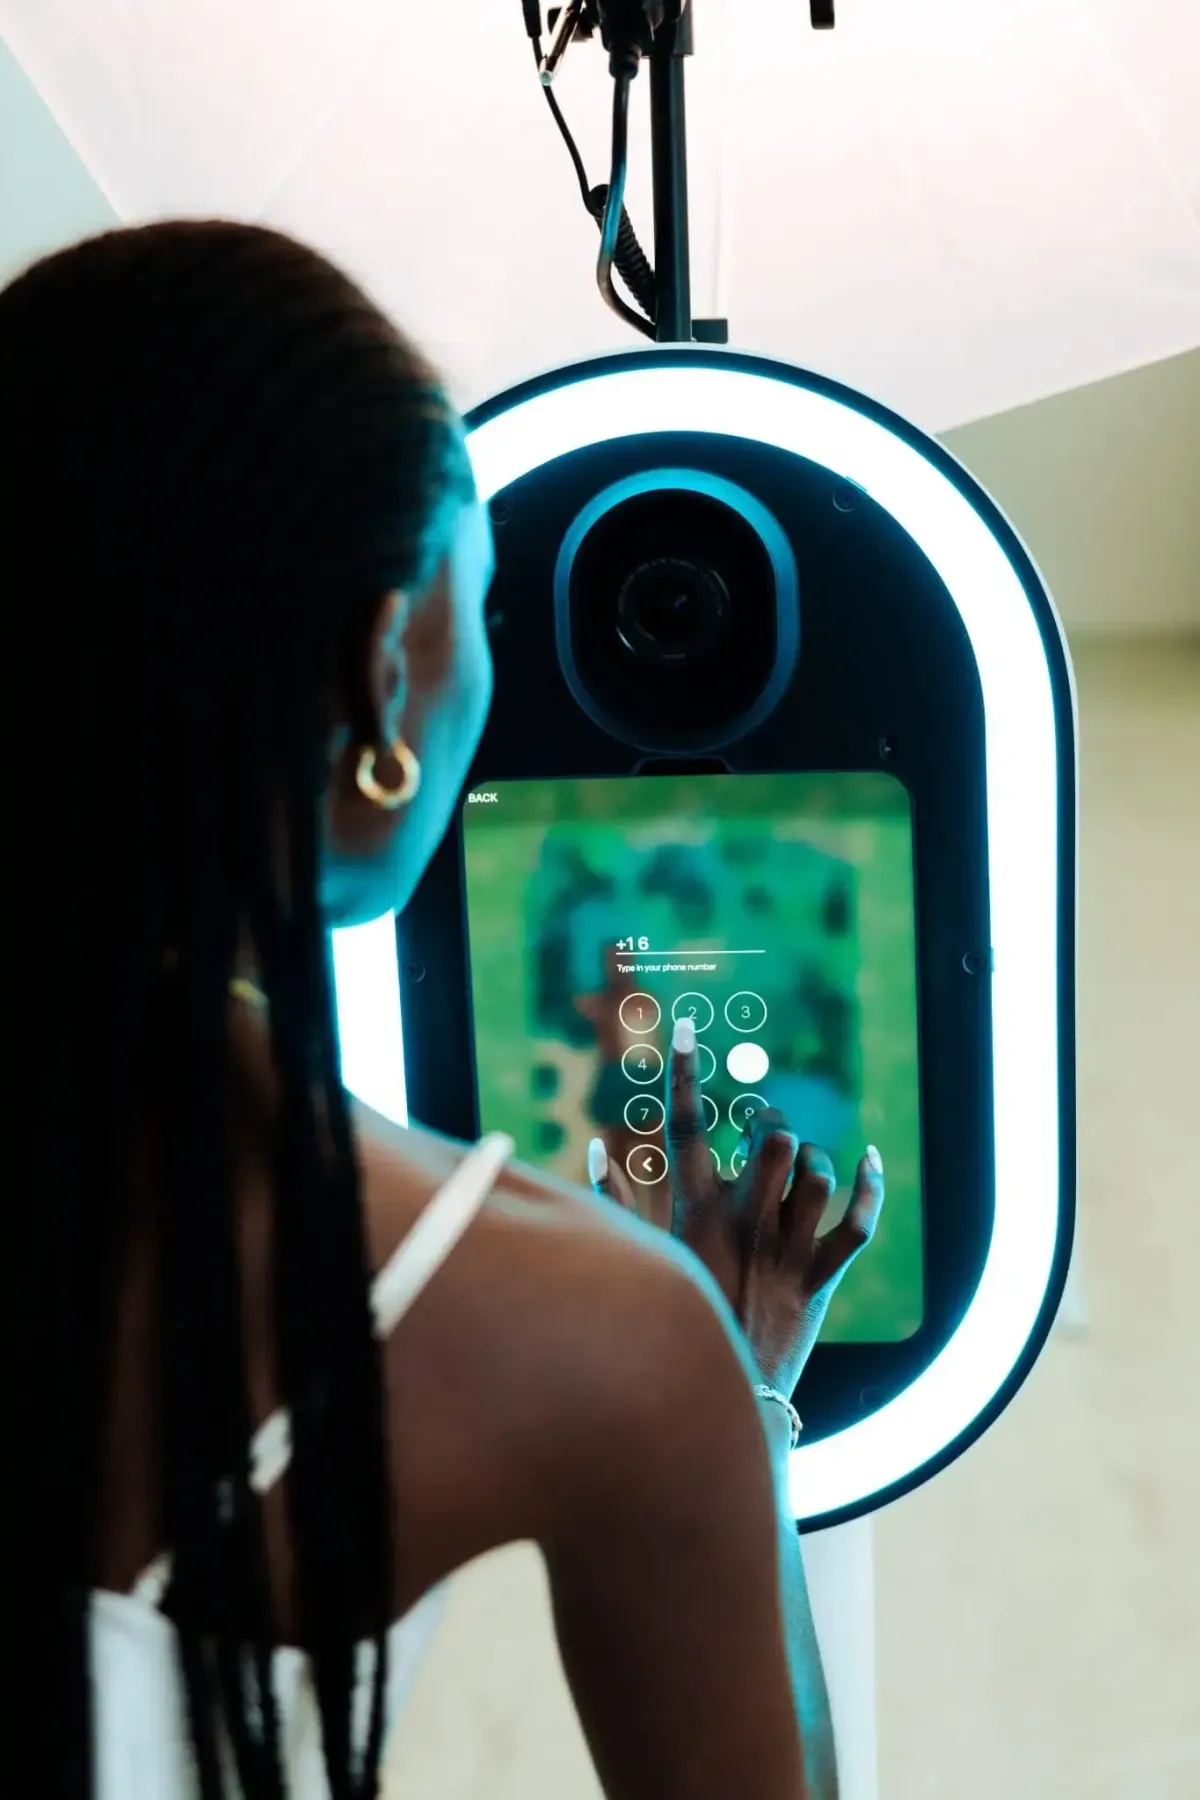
(409, 1270)
(419, 1255)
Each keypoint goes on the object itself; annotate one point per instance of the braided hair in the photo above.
(216, 459)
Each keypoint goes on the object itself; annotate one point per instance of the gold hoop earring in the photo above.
(372, 789)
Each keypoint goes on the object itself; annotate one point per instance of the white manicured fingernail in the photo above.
(683, 1039)
(597, 1162)
(874, 1160)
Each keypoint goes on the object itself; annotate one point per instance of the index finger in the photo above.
(687, 1139)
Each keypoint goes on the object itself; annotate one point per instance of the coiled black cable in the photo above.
(632, 263)
(614, 208)
(628, 258)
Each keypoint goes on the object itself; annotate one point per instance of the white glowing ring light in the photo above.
(940, 1405)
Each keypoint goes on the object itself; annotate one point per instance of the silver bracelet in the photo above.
(769, 1393)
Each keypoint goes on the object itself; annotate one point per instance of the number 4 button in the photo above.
(642, 1064)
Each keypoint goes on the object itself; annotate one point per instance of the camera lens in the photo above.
(672, 620)
(671, 609)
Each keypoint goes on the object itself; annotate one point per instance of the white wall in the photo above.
(1102, 483)
(1039, 1603)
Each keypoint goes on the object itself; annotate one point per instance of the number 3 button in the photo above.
(746, 1011)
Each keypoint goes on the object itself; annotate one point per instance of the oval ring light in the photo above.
(994, 587)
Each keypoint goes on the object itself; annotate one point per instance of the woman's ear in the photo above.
(387, 667)
(368, 712)
(371, 680)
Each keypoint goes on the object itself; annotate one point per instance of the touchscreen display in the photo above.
(777, 911)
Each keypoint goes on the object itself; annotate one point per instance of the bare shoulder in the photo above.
(560, 1345)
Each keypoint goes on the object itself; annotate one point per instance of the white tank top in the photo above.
(142, 1748)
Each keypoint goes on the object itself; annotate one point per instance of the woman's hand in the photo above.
(757, 1234)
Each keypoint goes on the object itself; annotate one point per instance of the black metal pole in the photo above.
(668, 148)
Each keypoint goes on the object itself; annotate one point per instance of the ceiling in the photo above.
(985, 215)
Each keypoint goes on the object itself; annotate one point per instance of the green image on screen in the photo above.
(776, 910)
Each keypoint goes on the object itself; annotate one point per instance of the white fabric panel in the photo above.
(957, 207)
(1154, 51)
(195, 106)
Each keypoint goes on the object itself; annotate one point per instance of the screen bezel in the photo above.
(843, 1381)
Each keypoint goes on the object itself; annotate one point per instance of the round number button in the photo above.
(746, 1011)
(640, 1012)
(706, 1064)
(697, 1007)
(642, 1064)
(716, 1161)
(646, 1164)
(644, 1113)
(737, 1161)
(743, 1109)
(711, 1115)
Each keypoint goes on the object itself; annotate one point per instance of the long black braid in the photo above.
(216, 458)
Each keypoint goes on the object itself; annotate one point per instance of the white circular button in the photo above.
(697, 1007)
(743, 1109)
(747, 1063)
(746, 1011)
(646, 1164)
(642, 1064)
(640, 1012)
(644, 1113)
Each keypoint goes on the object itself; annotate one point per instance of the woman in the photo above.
(241, 540)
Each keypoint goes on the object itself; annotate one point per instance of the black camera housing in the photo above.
(676, 610)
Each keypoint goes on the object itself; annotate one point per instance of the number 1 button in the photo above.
(640, 1012)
